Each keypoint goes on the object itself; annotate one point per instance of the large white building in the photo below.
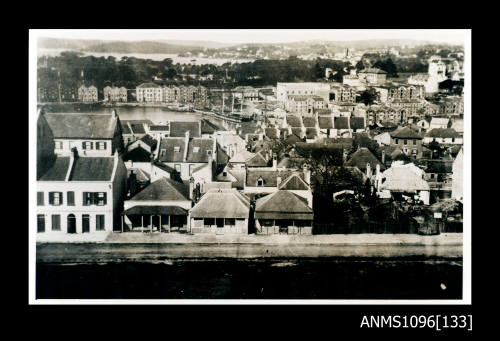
(284, 90)
(72, 199)
(149, 92)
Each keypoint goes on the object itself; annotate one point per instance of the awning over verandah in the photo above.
(154, 211)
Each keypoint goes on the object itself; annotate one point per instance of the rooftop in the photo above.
(78, 125)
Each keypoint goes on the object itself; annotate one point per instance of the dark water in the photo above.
(253, 279)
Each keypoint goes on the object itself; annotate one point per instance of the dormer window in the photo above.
(162, 152)
(177, 149)
(196, 149)
(260, 182)
(209, 152)
(224, 173)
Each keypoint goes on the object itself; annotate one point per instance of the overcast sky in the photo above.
(259, 35)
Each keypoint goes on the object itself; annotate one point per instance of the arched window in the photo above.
(260, 182)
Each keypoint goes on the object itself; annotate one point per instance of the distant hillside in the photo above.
(139, 47)
(199, 43)
(84, 45)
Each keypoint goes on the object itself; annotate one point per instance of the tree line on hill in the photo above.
(73, 69)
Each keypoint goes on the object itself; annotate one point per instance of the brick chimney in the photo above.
(383, 157)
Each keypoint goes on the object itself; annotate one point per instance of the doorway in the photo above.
(85, 223)
(71, 223)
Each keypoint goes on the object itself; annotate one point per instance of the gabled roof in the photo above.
(372, 70)
(148, 85)
(403, 178)
(440, 120)
(77, 125)
(325, 122)
(311, 133)
(242, 157)
(309, 121)
(293, 121)
(178, 129)
(102, 169)
(257, 160)
(442, 133)
(298, 132)
(207, 127)
(405, 133)
(283, 205)
(162, 190)
(126, 129)
(140, 174)
(222, 203)
(58, 170)
(341, 123)
(137, 128)
(149, 140)
(203, 146)
(270, 178)
(357, 123)
(168, 144)
(272, 133)
(363, 156)
(137, 154)
(292, 139)
(294, 181)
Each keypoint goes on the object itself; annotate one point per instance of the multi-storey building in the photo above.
(90, 134)
(149, 93)
(115, 94)
(304, 104)
(409, 100)
(72, 199)
(409, 141)
(284, 90)
(342, 93)
(77, 193)
(372, 76)
(87, 94)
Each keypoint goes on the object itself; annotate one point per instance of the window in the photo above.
(100, 198)
(87, 199)
(58, 144)
(209, 152)
(208, 222)
(39, 199)
(71, 198)
(162, 152)
(99, 222)
(40, 223)
(230, 222)
(266, 222)
(101, 145)
(396, 141)
(405, 142)
(178, 168)
(56, 222)
(55, 198)
(260, 182)
(414, 142)
(87, 145)
(219, 222)
(452, 139)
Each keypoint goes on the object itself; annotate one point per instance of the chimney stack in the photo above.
(114, 113)
(368, 170)
(275, 161)
(383, 157)
(307, 174)
(191, 187)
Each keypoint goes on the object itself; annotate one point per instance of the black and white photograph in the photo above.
(250, 166)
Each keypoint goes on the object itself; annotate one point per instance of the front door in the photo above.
(71, 223)
(85, 223)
